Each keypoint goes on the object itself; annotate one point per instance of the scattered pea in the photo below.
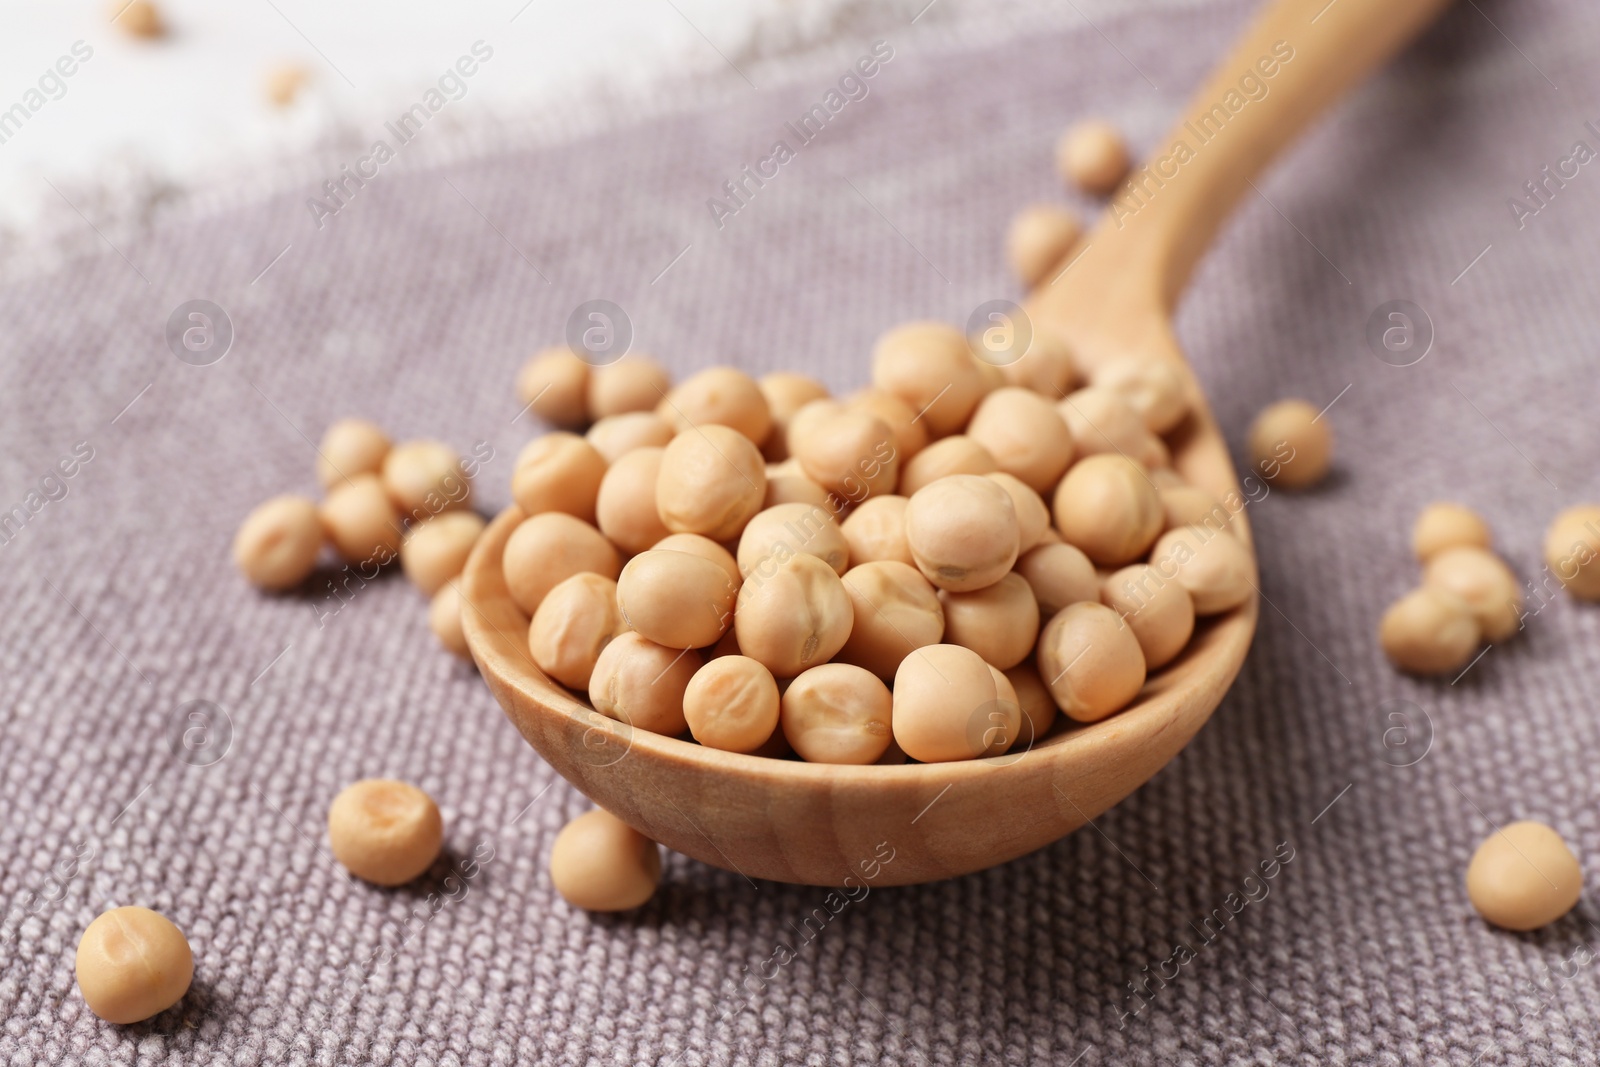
(944, 701)
(132, 964)
(633, 384)
(600, 863)
(719, 396)
(572, 626)
(783, 531)
(360, 522)
(1443, 525)
(1572, 550)
(1091, 661)
(999, 622)
(1523, 877)
(712, 480)
(675, 599)
(138, 18)
(558, 472)
(732, 704)
(641, 683)
(350, 447)
(284, 82)
(930, 366)
(1107, 506)
(385, 832)
(1093, 156)
(625, 507)
(837, 713)
(1429, 631)
(895, 612)
(554, 385)
(1038, 241)
(424, 478)
(444, 619)
(1484, 583)
(1291, 446)
(436, 549)
(278, 543)
(1025, 434)
(792, 614)
(963, 533)
(547, 549)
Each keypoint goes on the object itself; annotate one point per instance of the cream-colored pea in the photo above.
(837, 713)
(1572, 550)
(600, 863)
(444, 619)
(719, 396)
(1033, 515)
(930, 366)
(1047, 367)
(732, 704)
(616, 435)
(676, 599)
(284, 81)
(424, 478)
(1038, 240)
(1482, 579)
(1523, 877)
(963, 533)
(360, 522)
(1443, 525)
(641, 683)
(705, 548)
(558, 472)
(572, 626)
(545, 550)
(625, 508)
(350, 447)
(1216, 570)
(896, 611)
(1107, 506)
(792, 614)
(1101, 420)
(1290, 445)
(385, 832)
(132, 964)
(852, 455)
(138, 18)
(1152, 387)
(786, 394)
(791, 528)
(278, 543)
(1025, 434)
(436, 549)
(910, 433)
(1158, 610)
(1189, 505)
(805, 421)
(1091, 661)
(956, 454)
(876, 530)
(712, 480)
(945, 701)
(1059, 574)
(635, 383)
(998, 622)
(787, 484)
(1093, 156)
(1429, 631)
(1038, 706)
(554, 385)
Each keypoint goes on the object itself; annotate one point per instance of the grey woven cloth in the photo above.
(415, 304)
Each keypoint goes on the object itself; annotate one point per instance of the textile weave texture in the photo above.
(415, 304)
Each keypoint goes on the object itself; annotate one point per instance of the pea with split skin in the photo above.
(792, 614)
(896, 611)
(350, 447)
(1152, 387)
(132, 963)
(732, 704)
(1102, 420)
(1483, 581)
(1429, 631)
(572, 626)
(1217, 570)
(278, 543)
(837, 713)
(384, 831)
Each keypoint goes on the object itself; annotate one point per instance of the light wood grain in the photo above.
(819, 824)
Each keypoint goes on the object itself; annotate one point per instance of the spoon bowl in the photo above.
(824, 825)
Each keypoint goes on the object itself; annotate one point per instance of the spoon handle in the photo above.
(1297, 57)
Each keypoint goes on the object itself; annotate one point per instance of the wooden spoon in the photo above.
(894, 825)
